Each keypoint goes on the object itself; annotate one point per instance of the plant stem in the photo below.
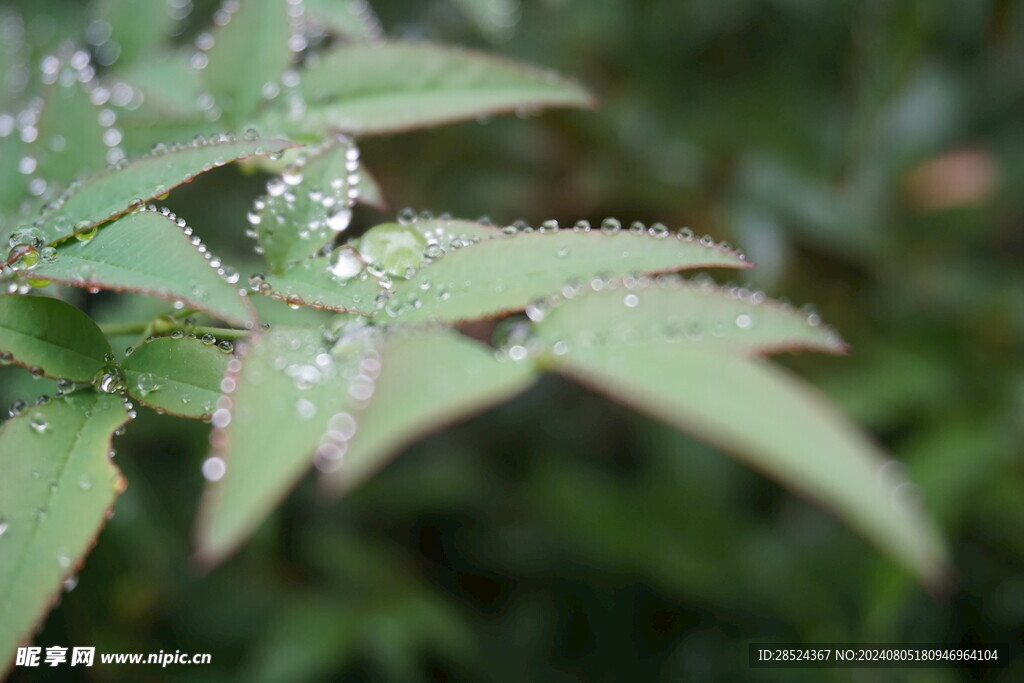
(164, 326)
(113, 329)
(219, 332)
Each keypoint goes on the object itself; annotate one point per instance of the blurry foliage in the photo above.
(868, 155)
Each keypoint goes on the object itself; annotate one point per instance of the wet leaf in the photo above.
(13, 184)
(495, 18)
(312, 283)
(177, 376)
(13, 55)
(54, 336)
(772, 422)
(70, 138)
(110, 193)
(137, 29)
(506, 274)
(351, 19)
(443, 232)
(381, 87)
(147, 253)
(427, 381)
(248, 52)
(58, 488)
(670, 310)
(308, 205)
(287, 389)
(171, 88)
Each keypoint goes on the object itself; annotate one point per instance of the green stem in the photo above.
(165, 326)
(115, 329)
(219, 332)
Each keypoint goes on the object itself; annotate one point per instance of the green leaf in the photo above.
(313, 283)
(170, 86)
(287, 392)
(111, 193)
(178, 376)
(56, 492)
(14, 55)
(137, 29)
(384, 87)
(39, 332)
(146, 252)
(396, 246)
(369, 190)
(506, 274)
(69, 141)
(427, 381)
(671, 310)
(308, 204)
(496, 18)
(13, 184)
(251, 49)
(772, 422)
(351, 19)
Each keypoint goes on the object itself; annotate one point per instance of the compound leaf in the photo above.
(57, 490)
(384, 87)
(45, 333)
(671, 310)
(506, 274)
(178, 376)
(111, 193)
(287, 389)
(772, 422)
(427, 381)
(146, 252)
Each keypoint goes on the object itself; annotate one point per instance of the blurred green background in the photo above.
(868, 156)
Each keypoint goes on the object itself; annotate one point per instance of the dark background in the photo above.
(868, 156)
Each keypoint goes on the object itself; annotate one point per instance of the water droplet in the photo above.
(339, 218)
(26, 236)
(610, 225)
(346, 263)
(743, 321)
(17, 408)
(305, 409)
(631, 300)
(84, 482)
(226, 346)
(214, 469)
(85, 231)
(276, 187)
(37, 421)
(110, 380)
(147, 383)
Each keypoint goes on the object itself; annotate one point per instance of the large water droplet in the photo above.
(147, 383)
(346, 263)
(338, 218)
(85, 230)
